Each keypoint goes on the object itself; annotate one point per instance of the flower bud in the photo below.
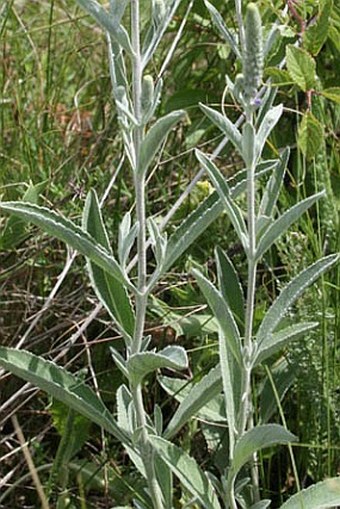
(253, 59)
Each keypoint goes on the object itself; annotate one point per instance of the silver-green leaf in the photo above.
(323, 495)
(225, 125)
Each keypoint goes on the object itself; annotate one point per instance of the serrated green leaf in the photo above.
(225, 125)
(230, 285)
(140, 364)
(332, 93)
(68, 232)
(291, 293)
(195, 398)
(268, 123)
(222, 312)
(280, 225)
(301, 67)
(310, 135)
(222, 28)
(278, 77)
(222, 188)
(111, 292)
(274, 342)
(258, 438)
(187, 471)
(155, 137)
(273, 186)
(108, 23)
(62, 385)
(316, 34)
(323, 495)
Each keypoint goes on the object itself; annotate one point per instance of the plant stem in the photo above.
(145, 448)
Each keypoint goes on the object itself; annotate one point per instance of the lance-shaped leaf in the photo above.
(221, 186)
(195, 399)
(272, 189)
(272, 343)
(230, 285)
(290, 293)
(62, 385)
(204, 215)
(155, 137)
(323, 495)
(107, 22)
(276, 229)
(225, 125)
(140, 364)
(68, 232)
(111, 292)
(222, 28)
(227, 371)
(268, 123)
(188, 472)
(222, 313)
(262, 504)
(259, 438)
(248, 145)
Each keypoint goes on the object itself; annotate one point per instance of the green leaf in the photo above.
(155, 137)
(111, 292)
(195, 399)
(140, 364)
(291, 293)
(268, 123)
(222, 28)
(225, 125)
(262, 504)
(316, 34)
(277, 340)
(278, 77)
(222, 188)
(276, 229)
(62, 385)
(310, 135)
(301, 67)
(165, 481)
(68, 232)
(325, 494)
(230, 285)
(258, 438)
(228, 382)
(222, 312)
(273, 186)
(283, 375)
(187, 471)
(332, 93)
(104, 20)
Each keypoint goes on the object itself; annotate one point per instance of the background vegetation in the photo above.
(58, 138)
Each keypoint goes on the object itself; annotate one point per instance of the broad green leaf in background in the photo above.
(222, 28)
(68, 232)
(268, 123)
(230, 285)
(187, 471)
(155, 137)
(273, 186)
(110, 291)
(272, 343)
(323, 495)
(310, 135)
(225, 125)
(332, 93)
(258, 438)
(62, 385)
(196, 398)
(222, 188)
(222, 312)
(140, 364)
(292, 291)
(316, 34)
(115, 29)
(278, 77)
(283, 375)
(280, 225)
(301, 67)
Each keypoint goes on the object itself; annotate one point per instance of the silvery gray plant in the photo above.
(241, 348)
